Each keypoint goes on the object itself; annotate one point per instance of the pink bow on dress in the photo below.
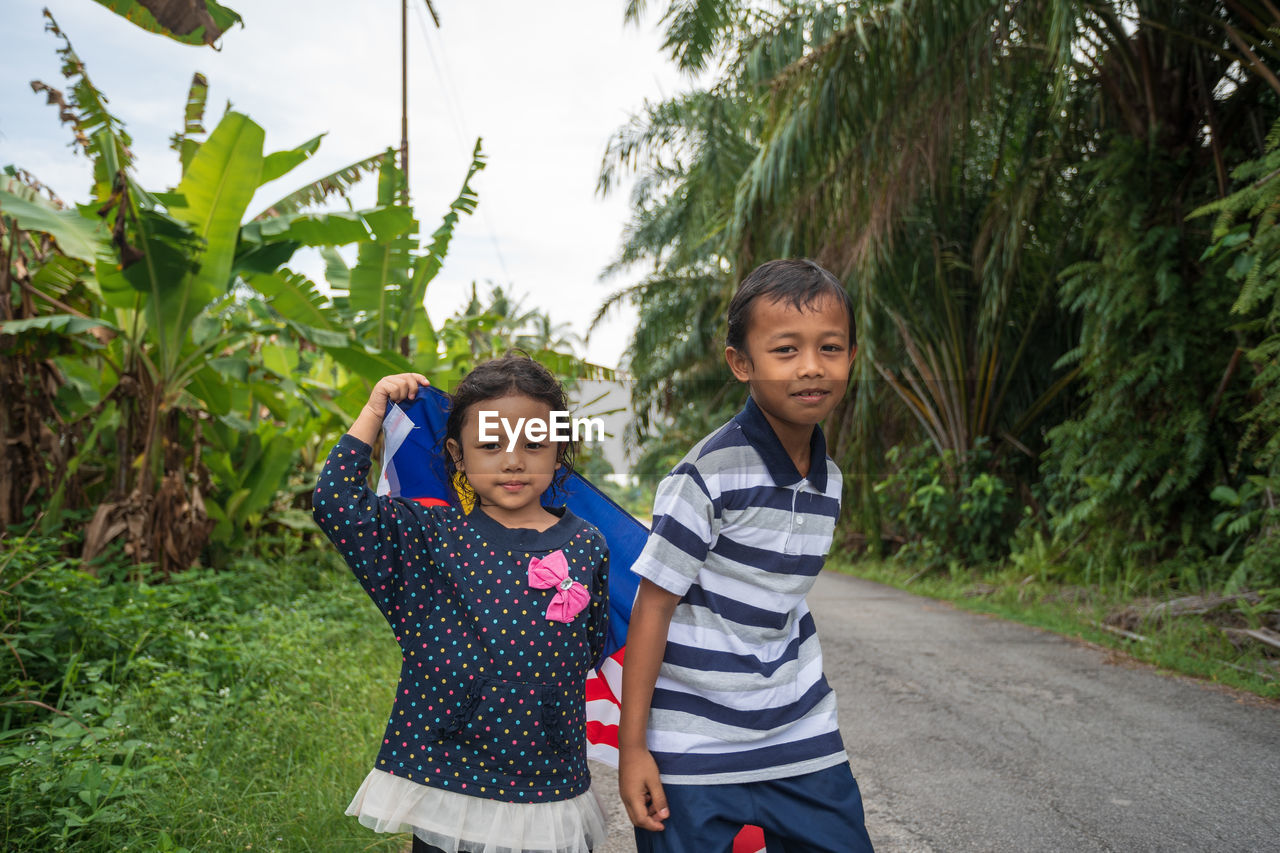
(553, 571)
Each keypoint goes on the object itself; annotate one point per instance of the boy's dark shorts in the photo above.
(818, 812)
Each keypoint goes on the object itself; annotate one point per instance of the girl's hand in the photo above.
(400, 386)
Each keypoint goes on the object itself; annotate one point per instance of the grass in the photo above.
(276, 772)
(1188, 645)
(221, 711)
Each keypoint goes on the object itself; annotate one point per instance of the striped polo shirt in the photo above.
(741, 536)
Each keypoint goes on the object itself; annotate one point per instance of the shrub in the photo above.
(212, 711)
(945, 509)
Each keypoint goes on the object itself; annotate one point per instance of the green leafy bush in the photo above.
(1247, 241)
(946, 509)
(211, 712)
(1127, 474)
(1249, 519)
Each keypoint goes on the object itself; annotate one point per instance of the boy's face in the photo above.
(796, 360)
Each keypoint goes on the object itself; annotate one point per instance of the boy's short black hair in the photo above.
(798, 281)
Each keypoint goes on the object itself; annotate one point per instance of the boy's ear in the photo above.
(455, 452)
(739, 362)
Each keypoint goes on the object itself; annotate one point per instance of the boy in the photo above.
(727, 718)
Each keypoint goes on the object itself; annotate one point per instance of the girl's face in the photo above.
(508, 475)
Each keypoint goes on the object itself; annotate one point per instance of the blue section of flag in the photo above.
(417, 470)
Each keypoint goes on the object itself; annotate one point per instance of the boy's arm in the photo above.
(638, 782)
(685, 522)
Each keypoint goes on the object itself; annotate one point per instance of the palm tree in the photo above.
(692, 150)
(950, 159)
(504, 323)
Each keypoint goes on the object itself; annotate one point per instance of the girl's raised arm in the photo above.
(379, 537)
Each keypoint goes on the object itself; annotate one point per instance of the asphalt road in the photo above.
(968, 733)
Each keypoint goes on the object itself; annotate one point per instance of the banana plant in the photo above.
(161, 272)
(373, 322)
(221, 367)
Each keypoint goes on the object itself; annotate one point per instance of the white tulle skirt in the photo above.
(457, 823)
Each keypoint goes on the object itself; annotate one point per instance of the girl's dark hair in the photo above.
(514, 373)
(799, 282)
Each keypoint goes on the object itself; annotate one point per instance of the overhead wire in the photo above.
(453, 107)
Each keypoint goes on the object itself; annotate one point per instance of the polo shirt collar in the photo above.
(761, 436)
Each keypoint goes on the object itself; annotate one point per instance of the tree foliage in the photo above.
(168, 373)
(1004, 189)
(1247, 242)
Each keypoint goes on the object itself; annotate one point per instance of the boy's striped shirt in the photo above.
(738, 533)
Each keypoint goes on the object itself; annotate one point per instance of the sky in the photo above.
(544, 85)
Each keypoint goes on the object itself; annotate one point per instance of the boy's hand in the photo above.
(401, 386)
(641, 791)
(638, 782)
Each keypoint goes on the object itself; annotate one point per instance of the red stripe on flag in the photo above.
(430, 501)
(750, 840)
(600, 733)
(598, 688)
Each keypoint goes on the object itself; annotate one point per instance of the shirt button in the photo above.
(800, 520)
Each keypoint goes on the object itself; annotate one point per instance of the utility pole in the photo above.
(404, 87)
(404, 95)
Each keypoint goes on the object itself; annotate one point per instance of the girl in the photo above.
(499, 612)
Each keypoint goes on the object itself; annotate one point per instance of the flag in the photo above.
(413, 467)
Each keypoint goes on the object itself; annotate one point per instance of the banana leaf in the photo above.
(218, 186)
(78, 236)
(195, 22)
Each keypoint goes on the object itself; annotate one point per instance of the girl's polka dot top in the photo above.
(491, 695)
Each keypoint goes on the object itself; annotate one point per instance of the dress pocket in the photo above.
(505, 719)
(455, 707)
(518, 719)
(563, 716)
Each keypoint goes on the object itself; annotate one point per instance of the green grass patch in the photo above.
(233, 710)
(1190, 645)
